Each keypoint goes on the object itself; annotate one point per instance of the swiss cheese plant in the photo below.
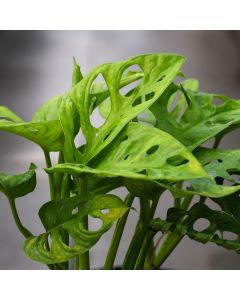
(152, 139)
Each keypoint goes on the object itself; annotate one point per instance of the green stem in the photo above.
(144, 250)
(117, 235)
(26, 233)
(138, 238)
(58, 179)
(50, 176)
(82, 261)
(171, 241)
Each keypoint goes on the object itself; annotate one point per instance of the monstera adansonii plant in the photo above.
(151, 140)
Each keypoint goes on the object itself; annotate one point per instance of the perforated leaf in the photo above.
(60, 215)
(140, 152)
(220, 222)
(158, 72)
(203, 118)
(14, 186)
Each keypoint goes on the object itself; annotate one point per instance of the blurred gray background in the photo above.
(36, 65)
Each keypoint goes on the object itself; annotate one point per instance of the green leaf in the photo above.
(9, 115)
(220, 164)
(201, 120)
(220, 222)
(14, 186)
(140, 152)
(76, 75)
(49, 111)
(69, 119)
(158, 69)
(59, 215)
(48, 135)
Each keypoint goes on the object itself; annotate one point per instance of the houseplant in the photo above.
(151, 141)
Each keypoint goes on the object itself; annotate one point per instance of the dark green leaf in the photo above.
(14, 186)
(220, 222)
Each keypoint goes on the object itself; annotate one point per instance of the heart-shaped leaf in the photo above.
(59, 215)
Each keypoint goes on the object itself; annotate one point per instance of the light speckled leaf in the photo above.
(59, 215)
(158, 69)
(14, 186)
(220, 222)
(140, 152)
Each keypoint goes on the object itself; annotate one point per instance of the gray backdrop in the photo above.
(36, 65)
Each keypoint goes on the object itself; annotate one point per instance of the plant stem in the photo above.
(144, 250)
(117, 235)
(138, 238)
(26, 233)
(50, 176)
(82, 261)
(169, 244)
(171, 241)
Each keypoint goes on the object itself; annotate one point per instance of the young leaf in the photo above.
(14, 186)
(158, 70)
(140, 152)
(218, 222)
(60, 216)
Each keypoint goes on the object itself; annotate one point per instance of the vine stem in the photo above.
(117, 235)
(25, 232)
(50, 176)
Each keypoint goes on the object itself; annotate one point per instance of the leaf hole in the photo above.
(228, 235)
(126, 157)
(105, 211)
(123, 139)
(152, 150)
(128, 89)
(143, 172)
(177, 160)
(75, 211)
(217, 102)
(201, 224)
(94, 224)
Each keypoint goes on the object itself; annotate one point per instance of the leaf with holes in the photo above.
(203, 118)
(14, 186)
(140, 152)
(158, 69)
(59, 215)
(221, 165)
(182, 222)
